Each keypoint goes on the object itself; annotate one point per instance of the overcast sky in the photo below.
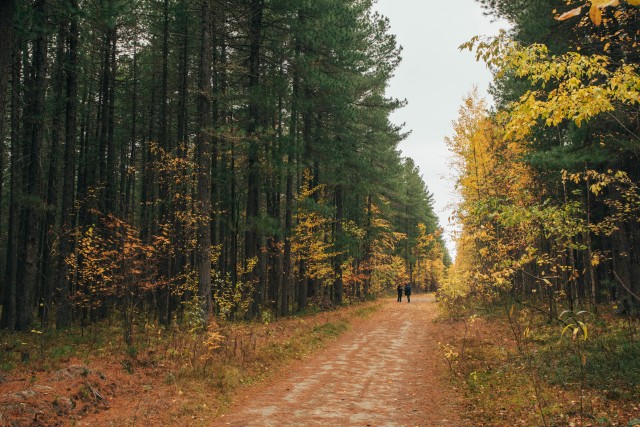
(433, 77)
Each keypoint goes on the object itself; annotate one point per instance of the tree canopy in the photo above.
(232, 158)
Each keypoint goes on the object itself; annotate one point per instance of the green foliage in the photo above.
(596, 378)
(258, 141)
(64, 351)
(331, 329)
(610, 362)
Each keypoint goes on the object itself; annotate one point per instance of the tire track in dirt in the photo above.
(386, 371)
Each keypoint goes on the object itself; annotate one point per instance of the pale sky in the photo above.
(433, 77)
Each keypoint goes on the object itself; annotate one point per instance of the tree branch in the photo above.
(625, 286)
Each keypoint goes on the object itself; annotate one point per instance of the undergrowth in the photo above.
(518, 369)
(208, 361)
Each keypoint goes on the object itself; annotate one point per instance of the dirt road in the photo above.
(387, 371)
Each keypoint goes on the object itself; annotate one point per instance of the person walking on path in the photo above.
(399, 292)
(407, 291)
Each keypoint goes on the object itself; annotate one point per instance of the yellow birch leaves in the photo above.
(595, 10)
(584, 86)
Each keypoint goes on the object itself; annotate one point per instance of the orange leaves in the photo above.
(111, 260)
(570, 14)
(595, 14)
(595, 10)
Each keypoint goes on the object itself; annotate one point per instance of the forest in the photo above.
(218, 157)
(548, 244)
(548, 177)
(198, 195)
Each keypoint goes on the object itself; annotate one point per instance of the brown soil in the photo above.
(387, 371)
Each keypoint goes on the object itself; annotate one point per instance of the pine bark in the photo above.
(9, 290)
(32, 210)
(203, 161)
(252, 240)
(64, 313)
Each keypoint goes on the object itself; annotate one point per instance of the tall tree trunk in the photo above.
(85, 157)
(215, 148)
(225, 224)
(203, 161)
(182, 138)
(368, 252)
(305, 285)
(128, 205)
(103, 114)
(7, 10)
(252, 240)
(149, 181)
(164, 213)
(288, 203)
(9, 291)
(337, 237)
(111, 161)
(48, 262)
(63, 313)
(28, 277)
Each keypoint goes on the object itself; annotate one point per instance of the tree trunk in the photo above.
(182, 138)
(49, 263)
(287, 268)
(63, 313)
(368, 252)
(203, 161)
(252, 240)
(9, 291)
(111, 161)
(337, 237)
(32, 218)
(7, 10)
(164, 213)
(128, 205)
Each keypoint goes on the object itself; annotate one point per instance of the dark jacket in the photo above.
(407, 289)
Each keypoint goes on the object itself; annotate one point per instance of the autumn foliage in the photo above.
(548, 188)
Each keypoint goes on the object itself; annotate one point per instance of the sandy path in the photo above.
(387, 371)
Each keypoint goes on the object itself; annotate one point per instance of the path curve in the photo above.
(386, 371)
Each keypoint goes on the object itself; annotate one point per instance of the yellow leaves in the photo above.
(595, 10)
(596, 259)
(576, 329)
(310, 240)
(585, 88)
(604, 3)
(112, 260)
(213, 340)
(595, 14)
(575, 323)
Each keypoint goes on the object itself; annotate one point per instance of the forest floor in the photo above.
(387, 371)
(377, 363)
